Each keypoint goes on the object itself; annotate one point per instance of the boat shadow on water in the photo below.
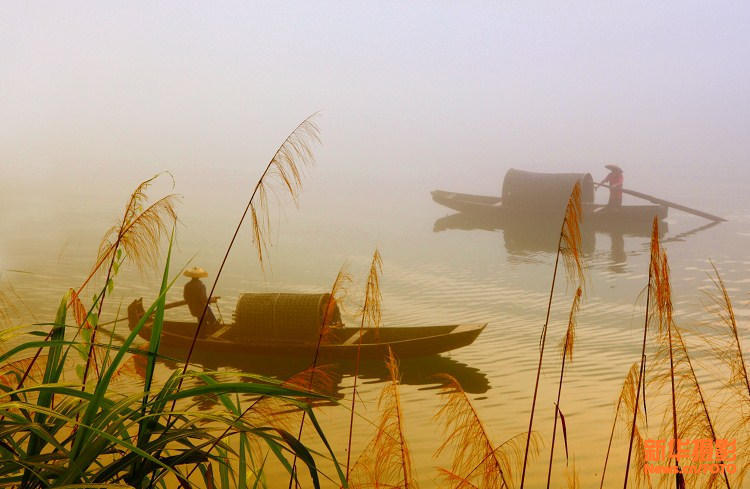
(522, 235)
(416, 371)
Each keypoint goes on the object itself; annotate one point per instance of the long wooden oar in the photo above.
(170, 305)
(666, 203)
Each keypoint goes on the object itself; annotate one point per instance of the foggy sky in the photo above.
(96, 96)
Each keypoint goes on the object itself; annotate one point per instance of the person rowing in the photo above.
(196, 297)
(614, 180)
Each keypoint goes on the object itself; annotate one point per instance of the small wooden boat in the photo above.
(596, 215)
(544, 196)
(340, 344)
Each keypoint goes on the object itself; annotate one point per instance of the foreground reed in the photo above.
(568, 344)
(476, 461)
(386, 461)
(335, 296)
(371, 315)
(650, 293)
(57, 436)
(569, 247)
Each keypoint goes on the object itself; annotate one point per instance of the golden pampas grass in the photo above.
(569, 248)
(476, 461)
(566, 348)
(370, 313)
(386, 461)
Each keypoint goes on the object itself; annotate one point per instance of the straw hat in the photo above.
(195, 272)
(613, 168)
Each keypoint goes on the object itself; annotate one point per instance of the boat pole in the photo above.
(666, 203)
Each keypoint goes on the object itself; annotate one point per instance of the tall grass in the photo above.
(568, 344)
(653, 273)
(55, 435)
(371, 315)
(732, 355)
(386, 461)
(476, 461)
(138, 238)
(335, 296)
(569, 247)
(284, 170)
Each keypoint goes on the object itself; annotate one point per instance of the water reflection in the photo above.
(417, 371)
(522, 235)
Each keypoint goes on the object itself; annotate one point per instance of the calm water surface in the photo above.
(438, 269)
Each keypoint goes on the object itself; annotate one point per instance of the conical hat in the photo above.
(613, 168)
(195, 272)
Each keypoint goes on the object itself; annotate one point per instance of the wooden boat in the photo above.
(341, 343)
(544, 196)
(599, 216)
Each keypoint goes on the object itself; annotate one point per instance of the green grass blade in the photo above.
(83, 435)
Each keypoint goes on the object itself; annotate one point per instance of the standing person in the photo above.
(614, 180)
(196, 297)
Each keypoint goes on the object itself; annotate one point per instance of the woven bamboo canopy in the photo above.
(295, 317)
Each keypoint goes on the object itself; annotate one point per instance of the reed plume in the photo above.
(371, 315)
(569, 247)
(688, 401)
(630, 397)
(142, 229)
(11, 372)
(139, 237)
(570, 238)
(476, 462)
(284, 169)
(336, 296)
(454, 480)
(386, 462)
(653, 275)
(692, 404)
(733, 355)
(663, 293)
(567, 345)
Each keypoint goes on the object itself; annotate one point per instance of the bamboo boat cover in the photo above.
(284, 316)
(536, 191)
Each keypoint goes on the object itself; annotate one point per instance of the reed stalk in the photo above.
(567, 352)
(342, 278)
(653, 263)
(474, 454)
(696, 387)
(609, 444)
(370, 313)
(284, 166)
(664, 306)
(734, 357)
(139, 233)
(386, 461)
(569, 247)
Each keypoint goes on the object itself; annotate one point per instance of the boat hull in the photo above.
(598, 216)
(341, 344)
